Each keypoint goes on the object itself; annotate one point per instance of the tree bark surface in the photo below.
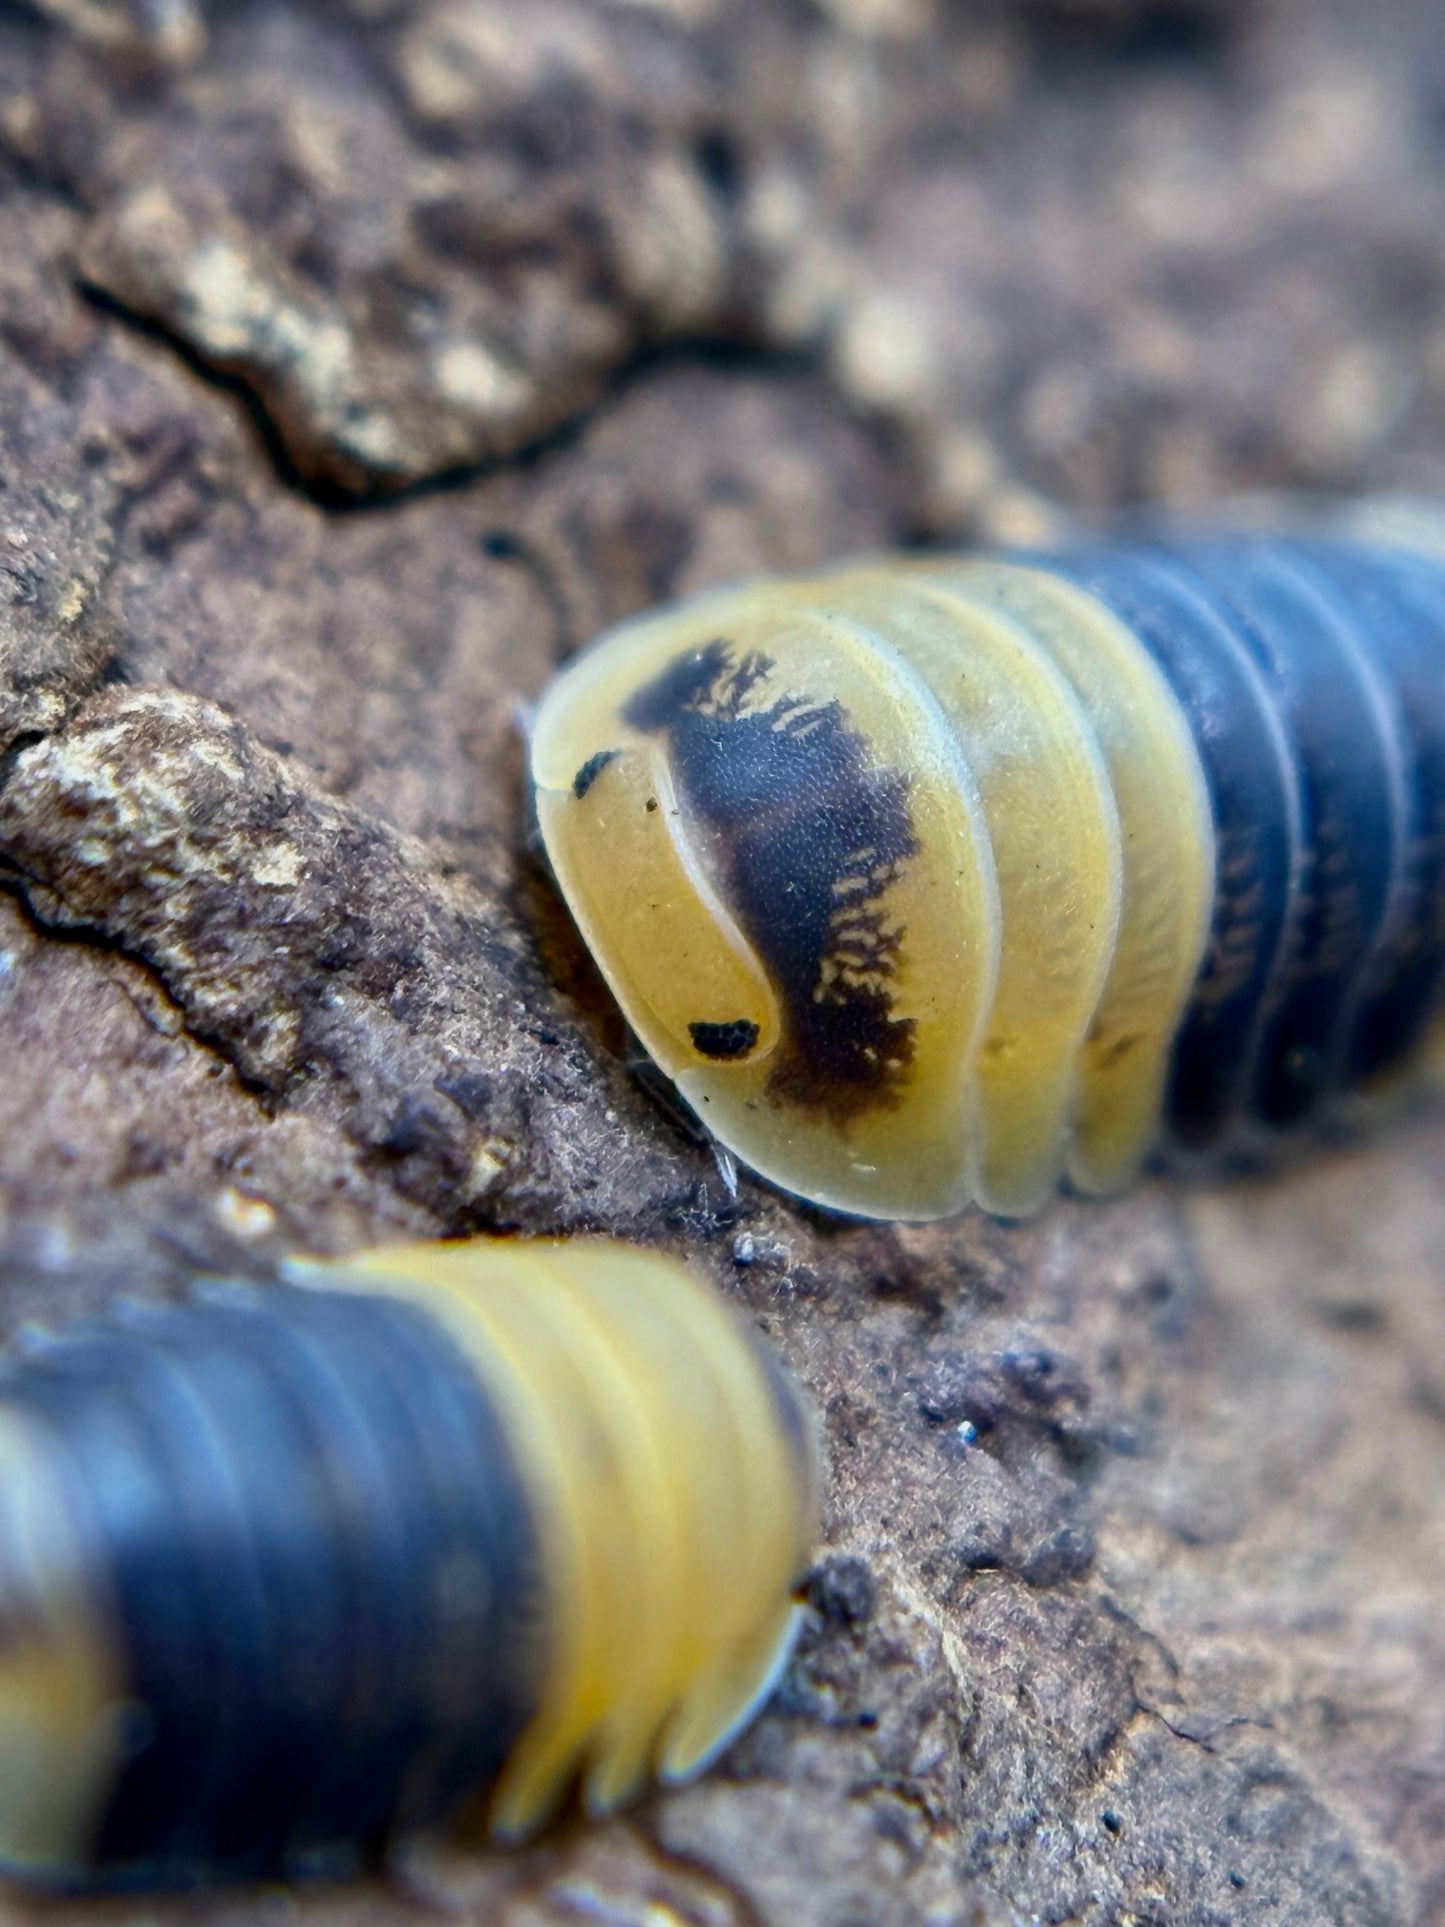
(357, 362)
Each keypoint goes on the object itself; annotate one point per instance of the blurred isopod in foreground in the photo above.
(289, 1572)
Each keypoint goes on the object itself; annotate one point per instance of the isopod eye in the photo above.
(725, 1042)
(636, 871)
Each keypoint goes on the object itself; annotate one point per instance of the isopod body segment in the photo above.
(291, 1571)
(928, 880)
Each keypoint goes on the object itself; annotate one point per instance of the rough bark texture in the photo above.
(357, 360)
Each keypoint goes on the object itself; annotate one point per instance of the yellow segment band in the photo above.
(672, 1504)
(1159, 788)
(1056, 850)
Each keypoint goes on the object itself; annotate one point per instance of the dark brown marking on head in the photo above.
(809, 836)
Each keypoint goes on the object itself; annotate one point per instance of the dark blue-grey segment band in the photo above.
(303, 1515)
(1252, 770)
(1338, 708)
(1395, 604)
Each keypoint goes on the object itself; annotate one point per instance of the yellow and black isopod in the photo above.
(928, 880)
(291, 1571)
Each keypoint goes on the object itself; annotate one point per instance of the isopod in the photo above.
(290, 1572)
(929, 880)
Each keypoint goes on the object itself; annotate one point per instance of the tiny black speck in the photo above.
(415, 1126)
(590, 771)
(735, 1038)
(842, 1589)
(472, 1092)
